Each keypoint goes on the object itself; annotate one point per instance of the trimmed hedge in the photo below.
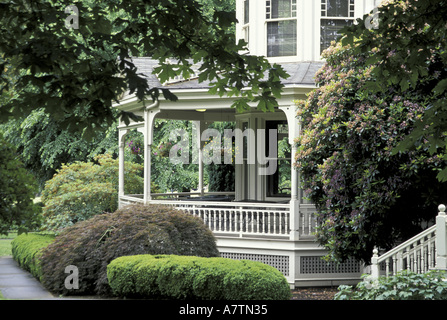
(27, 250)
(190, 277)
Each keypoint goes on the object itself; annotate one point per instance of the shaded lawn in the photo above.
(5, 244)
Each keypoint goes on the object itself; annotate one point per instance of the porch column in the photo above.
(199, 125)
(294, 130)
(149, 118)
(294, 200)
(121, 135)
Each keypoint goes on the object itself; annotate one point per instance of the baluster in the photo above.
(387, 267)
(394, 264)
(213, 215)
(241, 218)
(423, 266)
(309, 217)
(274, 222)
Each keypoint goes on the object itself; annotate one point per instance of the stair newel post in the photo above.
(375, 264)
(441, 239)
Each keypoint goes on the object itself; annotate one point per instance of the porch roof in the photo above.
(301, 73)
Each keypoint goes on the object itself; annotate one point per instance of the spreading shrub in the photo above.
(135, 229)
(27, 250)
(182, 277)
(405, 285)
(83, 189)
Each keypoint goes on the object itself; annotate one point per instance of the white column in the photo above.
(121, 134)
(149, 117)
(294, 130)
(441, 239)
(199, 146)
(294, 200)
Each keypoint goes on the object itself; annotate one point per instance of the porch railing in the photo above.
(238, 218)
(423, 252)
(242, 219)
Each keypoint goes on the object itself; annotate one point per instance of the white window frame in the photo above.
(324, 16)
(269, 19)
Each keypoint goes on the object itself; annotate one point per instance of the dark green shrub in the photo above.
(27, 250)
(135, 229)
(182, 277)
(406, 285)
(17, 190)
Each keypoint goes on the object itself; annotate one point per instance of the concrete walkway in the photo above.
(16, 283)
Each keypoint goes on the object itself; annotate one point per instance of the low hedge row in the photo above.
(27, 249)
(191, 277)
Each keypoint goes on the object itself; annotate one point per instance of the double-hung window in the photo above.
(246, 27)
(281, 28)
(335, 15)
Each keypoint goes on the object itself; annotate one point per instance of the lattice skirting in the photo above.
(277, 261)
(315, 264)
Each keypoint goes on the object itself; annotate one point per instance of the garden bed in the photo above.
(314, 293)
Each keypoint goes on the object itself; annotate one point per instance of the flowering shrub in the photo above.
(365, 194)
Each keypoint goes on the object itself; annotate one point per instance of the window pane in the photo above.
(330, 31)
(281, 38)
(337, 8)
(281, 8)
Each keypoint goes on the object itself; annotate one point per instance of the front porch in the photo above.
(265, 217)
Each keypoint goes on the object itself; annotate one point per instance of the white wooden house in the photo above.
(257, 221)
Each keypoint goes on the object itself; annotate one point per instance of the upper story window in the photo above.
(335, 15)
(281, 27)
(246, 27)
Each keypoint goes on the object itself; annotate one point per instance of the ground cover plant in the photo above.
(92, 244)
(405, 285)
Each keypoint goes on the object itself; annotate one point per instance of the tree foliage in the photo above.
(81, 72)
(43, 144)
(365, 195)
(81, 190)
(17, 191)
(410, 53)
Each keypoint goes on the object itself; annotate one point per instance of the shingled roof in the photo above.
(301, 73)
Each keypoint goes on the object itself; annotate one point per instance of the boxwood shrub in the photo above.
(189, 277)
(92, 244)
(27, 250)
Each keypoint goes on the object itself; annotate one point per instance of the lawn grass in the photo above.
(5, 243)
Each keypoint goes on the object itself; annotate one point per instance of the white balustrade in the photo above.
(241, 218)
(419, 254)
